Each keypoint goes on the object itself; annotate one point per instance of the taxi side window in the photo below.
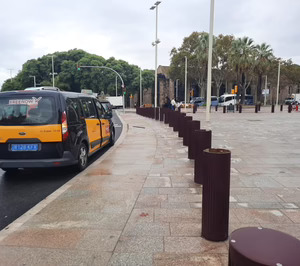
(73, 110)
(88, 107)
(99, 109)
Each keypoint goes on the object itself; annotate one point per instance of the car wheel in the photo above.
(112, 138)
(82, 157)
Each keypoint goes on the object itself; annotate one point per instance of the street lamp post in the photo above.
(278, 81)
(141, 103)
(34, 80)
(185, 82)
(53, 73)
(157, 41)
(211, 28)
(177, 88)
(116, 85)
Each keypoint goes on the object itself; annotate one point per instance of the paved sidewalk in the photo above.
(138, 205)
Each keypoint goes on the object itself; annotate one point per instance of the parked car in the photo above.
(49, 128)
(289, 101)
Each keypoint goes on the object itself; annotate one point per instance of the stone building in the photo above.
(165, 86)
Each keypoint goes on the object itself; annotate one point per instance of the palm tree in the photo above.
(263, 59)
(242, 61)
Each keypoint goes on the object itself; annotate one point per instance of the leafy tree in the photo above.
(263, 59)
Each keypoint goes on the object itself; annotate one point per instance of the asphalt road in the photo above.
(20, 192)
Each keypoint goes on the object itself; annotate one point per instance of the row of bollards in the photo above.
(211, 169)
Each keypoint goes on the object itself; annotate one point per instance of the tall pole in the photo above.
(185, 82)
(34, 80)
(116, 85)
(10, 71)
(266, 87)
(141, 103)
(53, 70)
(156, 43)
(177, 88)
(211, 28)
(278, 81)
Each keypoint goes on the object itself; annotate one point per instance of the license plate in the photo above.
(24, 147)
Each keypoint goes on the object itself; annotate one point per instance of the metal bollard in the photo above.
(176, 121)
(240, 108)
(161, 114)
(273, 108)
(194, 108)
(166, 121)
(216, 190)
(259, 107)
(237, 107)
(157, 113)
(281, 107)
(195, 125)
(224, 109)
(202, 142)
(185, 128)
(181, 123)
(290, 108)
(256, 108)
(216, 108)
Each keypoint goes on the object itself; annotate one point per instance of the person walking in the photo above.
(173, 103)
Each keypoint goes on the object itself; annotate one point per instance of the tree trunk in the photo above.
(243, 88)
(259, 83)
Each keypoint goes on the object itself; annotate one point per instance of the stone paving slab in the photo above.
(139, 205)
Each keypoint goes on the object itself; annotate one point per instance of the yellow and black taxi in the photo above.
(50, 128)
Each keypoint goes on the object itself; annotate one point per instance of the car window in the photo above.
(99, 108)
(73, 110)
(88, 107)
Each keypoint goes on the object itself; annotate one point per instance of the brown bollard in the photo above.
(166, 121)
(157, 113)
(194, 108)
(176, 121)
(256, 108)
(185, 128)
(281, 107)
(171, 121)
(290, 108)
(215, 194)
(240, 108)
(224, 109)
(161, 114)
(181, 122)
(191, 140)
(202, 142)
(191, 125)
(273, 108)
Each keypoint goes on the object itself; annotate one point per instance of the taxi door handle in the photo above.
(98, 124)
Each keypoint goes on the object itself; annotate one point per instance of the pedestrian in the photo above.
(173, 103)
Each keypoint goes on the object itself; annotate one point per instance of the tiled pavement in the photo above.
(138, 205)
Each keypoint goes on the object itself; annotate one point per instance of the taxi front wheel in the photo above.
(112, 138)
(82, 157)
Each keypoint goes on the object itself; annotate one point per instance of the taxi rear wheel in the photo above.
(82, 157)
(112, 138)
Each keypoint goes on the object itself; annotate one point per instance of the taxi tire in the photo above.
(112, 138)
(82, 157)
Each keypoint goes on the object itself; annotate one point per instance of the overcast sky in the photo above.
(125, 29)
